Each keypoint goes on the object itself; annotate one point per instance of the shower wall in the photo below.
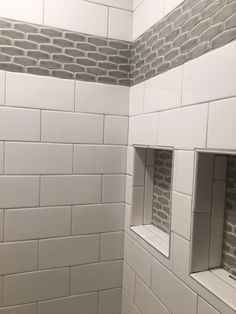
(62, 163)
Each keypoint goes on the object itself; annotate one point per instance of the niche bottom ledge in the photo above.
(157, 238)
(218, 286)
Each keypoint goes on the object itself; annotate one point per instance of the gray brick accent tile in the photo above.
(190, 30)
(161, 208)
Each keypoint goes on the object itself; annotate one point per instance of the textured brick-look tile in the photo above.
(187, 32)
(48, 51)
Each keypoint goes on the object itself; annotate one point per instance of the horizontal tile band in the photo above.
(189, 31)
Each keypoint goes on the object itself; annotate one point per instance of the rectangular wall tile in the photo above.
(128, 281)
(138, 259)
(183, 171)
(36, 286)
(163, 91)
(21, 309)
(1, 225)
(170, 290)
(128, 307)
(181, 214)
(33, 14)
(2, 87)
(2, 157)
(143, 129)
(19, 124)
(136, 99)
(99, 159)
(146, 301)
(116, 130)
(74, 128)
(68, 251)
(37, 223)
(70, 190)
(35, 158)
(180, 255)
(45, 92)
(110, 301)
(17, 257)
(213, 82)
(80, 16)
(171, 5)
(221, 125)
(184, 127)
(86, 303)
(94, 277)
(118, 30)
(205, 308)
(113, 189)
(97, 218)
(19, 191)
(111, 246)
(101, 98)
(122, 4)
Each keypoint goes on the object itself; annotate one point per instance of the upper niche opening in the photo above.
(151, 205)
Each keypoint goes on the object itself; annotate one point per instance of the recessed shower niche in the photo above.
(213, 252)
(152, 191)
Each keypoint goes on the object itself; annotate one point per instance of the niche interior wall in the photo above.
(66, 171)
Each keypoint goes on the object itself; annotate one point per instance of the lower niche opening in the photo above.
(214, 217)
(151, 204)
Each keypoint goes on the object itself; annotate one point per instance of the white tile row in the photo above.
(31, 191)
(101, 18)
(62, 95)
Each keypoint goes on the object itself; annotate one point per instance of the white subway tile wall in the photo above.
(62, 193)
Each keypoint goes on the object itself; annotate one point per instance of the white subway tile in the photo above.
(1, 225)
(116, 130)
(2, 157)
(72, 128)
(77, 15)
(73, 190)
(37, 223)
(138, 259)
(2, 87)
(95, 277)
(113, 189)
(122, 4)
(19, 191)
(183, 172)
(110, 301)
(17, 257)
(146, 15)
(221, 125)
(136, 99)
(128, 307)
(45, 92)
(101, 98)
(171, 5)
(181, 214)
(38, 158)
(36, 286)
(146, 301)
(19, 124)
(86, 303)
(1, 291)
(171, 290)
(183, 127)
(26, 10)
(97, 218)
(118, 30)
(205, 308)
(128, 281)
(213, 82)
(163, 91)
(111, 246)
(136, 3)
(68, 251)
(99, 159)
(143, 129)
(21, 309)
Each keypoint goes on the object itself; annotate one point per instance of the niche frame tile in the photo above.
(208, 225)
(140, 220)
